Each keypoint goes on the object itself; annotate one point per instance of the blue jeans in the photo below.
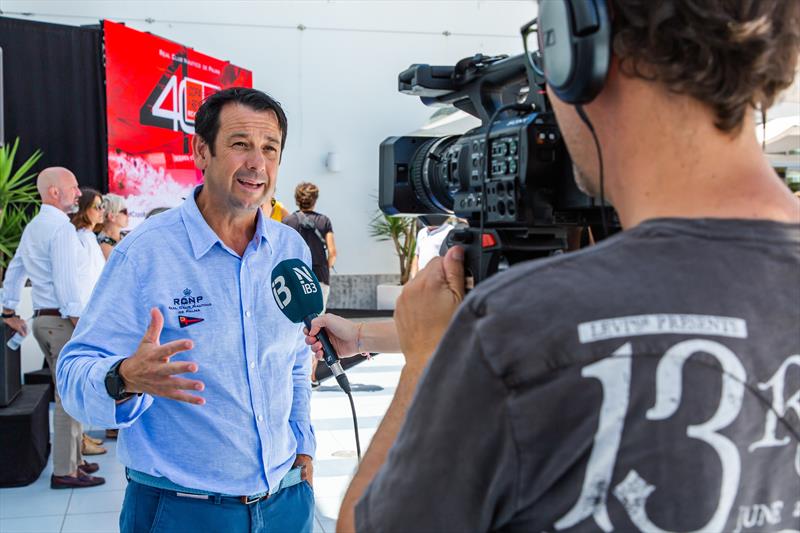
(148, 509)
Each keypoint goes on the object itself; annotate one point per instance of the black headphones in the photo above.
(575, 43)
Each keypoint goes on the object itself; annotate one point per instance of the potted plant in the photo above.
(17, 197)
(402, 231)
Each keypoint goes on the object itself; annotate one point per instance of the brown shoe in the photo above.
(88, 468)
(79, 482)
(92, 439)
(90, 448)
(111, 433)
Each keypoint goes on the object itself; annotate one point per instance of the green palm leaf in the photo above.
(402, 231)
(17, 194)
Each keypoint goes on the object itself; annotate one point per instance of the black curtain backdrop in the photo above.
(53, 80)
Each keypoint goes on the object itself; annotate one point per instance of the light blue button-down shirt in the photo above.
(253, 360)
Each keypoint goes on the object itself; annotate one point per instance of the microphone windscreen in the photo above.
(296, 290)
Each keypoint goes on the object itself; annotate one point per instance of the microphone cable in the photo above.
(344, 384)
(355, 423)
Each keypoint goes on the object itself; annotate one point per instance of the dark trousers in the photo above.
(148, 509)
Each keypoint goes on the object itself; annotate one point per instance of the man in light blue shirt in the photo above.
(213, 402)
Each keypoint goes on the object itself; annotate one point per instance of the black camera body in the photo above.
(517, 192)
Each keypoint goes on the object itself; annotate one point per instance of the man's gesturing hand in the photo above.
(149, 370)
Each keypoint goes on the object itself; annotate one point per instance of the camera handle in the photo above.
(492, 250)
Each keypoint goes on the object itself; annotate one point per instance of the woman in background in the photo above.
(275, 210)
(115, 220)
(89, 215)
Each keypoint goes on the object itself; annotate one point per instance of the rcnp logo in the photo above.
(282, 293)
(187, 298)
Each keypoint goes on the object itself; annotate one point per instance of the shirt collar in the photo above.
(202, 237)
(47, 208)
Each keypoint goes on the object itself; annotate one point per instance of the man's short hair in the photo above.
(305, 195)
(206, 122)
(729, 54)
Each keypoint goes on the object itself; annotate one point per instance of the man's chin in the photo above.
(585, 185)
(249, 204)
(585, 189)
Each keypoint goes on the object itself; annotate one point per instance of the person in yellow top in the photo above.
(274, 208)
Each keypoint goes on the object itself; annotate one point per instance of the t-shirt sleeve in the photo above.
(327, 227)
(454, 464)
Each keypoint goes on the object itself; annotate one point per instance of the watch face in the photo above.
(114, 385)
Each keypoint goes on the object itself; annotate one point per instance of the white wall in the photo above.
(337, 79)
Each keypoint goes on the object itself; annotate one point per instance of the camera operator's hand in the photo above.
(427, 305)
(342, 332)
(149, 370)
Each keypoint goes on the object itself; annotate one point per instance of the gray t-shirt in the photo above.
(650, 382)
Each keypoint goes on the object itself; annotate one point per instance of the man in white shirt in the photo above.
(48, 255)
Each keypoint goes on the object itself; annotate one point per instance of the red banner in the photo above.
(153, 90)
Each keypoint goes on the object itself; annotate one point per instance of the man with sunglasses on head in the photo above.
(646, 383)
(49, 254)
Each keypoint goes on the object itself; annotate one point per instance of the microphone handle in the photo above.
(329, 355)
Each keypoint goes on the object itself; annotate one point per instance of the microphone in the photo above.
(299, 296)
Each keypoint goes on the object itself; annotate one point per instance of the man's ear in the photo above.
(200, 152)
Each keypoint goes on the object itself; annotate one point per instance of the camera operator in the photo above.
(646, 383)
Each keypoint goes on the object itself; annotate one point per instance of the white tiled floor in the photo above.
(38, 508)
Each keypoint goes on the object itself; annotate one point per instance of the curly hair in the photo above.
(305, 195)
(732, 55)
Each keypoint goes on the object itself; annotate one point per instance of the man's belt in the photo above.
(293, 477)
(47, 312)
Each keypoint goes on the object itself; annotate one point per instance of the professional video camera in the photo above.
(511, 178)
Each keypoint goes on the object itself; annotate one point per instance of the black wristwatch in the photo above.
(12, 314)
(115, 387)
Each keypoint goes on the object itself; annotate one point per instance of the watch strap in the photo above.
(114, 385)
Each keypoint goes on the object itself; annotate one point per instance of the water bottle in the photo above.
(16, 341)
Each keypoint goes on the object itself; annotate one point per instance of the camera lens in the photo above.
(434, 173)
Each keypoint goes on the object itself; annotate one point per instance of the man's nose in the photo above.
(255, 160)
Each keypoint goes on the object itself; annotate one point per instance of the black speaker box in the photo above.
(41, 377)
(10, 378)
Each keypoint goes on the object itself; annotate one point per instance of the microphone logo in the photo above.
(305, 279)
(281, 292)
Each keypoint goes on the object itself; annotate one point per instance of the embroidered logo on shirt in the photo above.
(189, 303)
(186, 321)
